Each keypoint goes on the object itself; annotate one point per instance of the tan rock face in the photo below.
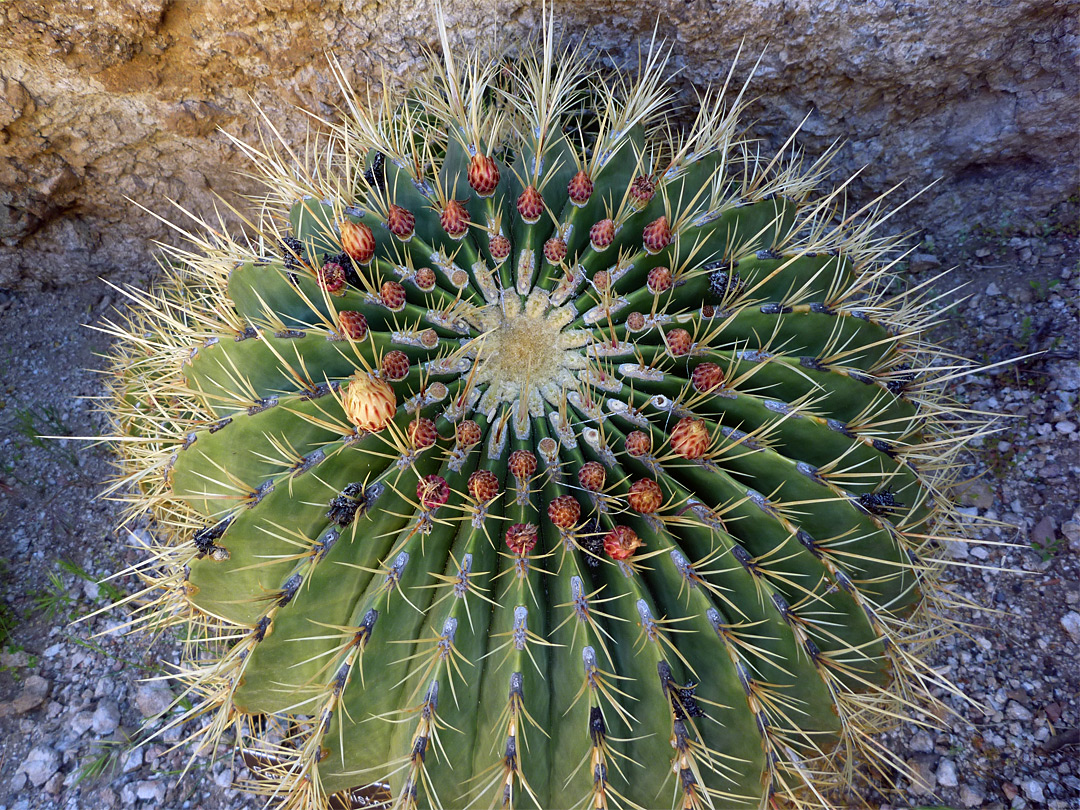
(113, 99)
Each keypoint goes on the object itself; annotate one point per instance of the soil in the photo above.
(73, 695)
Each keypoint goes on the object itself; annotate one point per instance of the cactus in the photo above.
(527, 452)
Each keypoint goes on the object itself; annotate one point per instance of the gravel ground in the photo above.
(71, 700)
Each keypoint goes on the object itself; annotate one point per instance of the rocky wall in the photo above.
(113, 104)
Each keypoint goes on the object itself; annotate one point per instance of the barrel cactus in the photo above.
(528, 450)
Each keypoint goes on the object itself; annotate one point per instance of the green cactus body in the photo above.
(647, 516)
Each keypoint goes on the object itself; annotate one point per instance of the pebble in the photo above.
(131, 760)
(81, 723)
(971, 797)
(946, 773)
(1065, 426)
(106, 718)
(147, 789)
(1033, 789)
(33, 693)
(921, 742)
(1071, 622)
(923, 778)
(153, 699)
(919, 262)
(1014, 711)
(40, 764)
(1071, 530)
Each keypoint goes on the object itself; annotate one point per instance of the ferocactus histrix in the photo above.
(535, 454)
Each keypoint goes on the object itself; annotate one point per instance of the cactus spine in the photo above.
(535, 455)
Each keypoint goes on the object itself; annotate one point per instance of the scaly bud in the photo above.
(483, 175)
(357, 241)
(530, 205)
(580, 189)
(690, 438)
(369, 402)
(454, 219)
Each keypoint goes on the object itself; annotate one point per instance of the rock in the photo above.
(923, 778)
(39, 766)
(1044, 531)
(153, 699)
(81, 723)
(121, 98)
(980, 493)
(104, 798)
(1071, 530)
(131, 760)
(993, 289)
(920, 262)
(13, 659)
(1065, 426)
(150, 790)
(971, 797)
(1014, 711)
(1033, 789)
(33, 693)
(921, 742)
(106, 718)
(956, 549)
(946, 773)
(1071, 622)
(91, 590)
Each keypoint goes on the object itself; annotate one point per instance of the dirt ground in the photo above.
(73, 698)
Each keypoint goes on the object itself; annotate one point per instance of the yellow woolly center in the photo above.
(526, 353)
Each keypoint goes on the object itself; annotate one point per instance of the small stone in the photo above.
(946, 773)
(1071, 622)
(956, 549)
(923, 261)
(1010, 790)
(14, 659)
(1071, 530)
(923, 778)
(106, 718)
(105, 799)
(993, 289)
(922, 742)
(979, 494)
(81, 723)
(131, 760)
(971, 797)
(153, 699)
(1044, 531)
(224, 779)
(150, 790)
(39, 766)
(1033, 789)
(54, 784)
(979, 553)
(32, 695)
(1065, 426)
(1014, 711)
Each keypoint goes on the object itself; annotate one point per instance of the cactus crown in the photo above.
(533, 453)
